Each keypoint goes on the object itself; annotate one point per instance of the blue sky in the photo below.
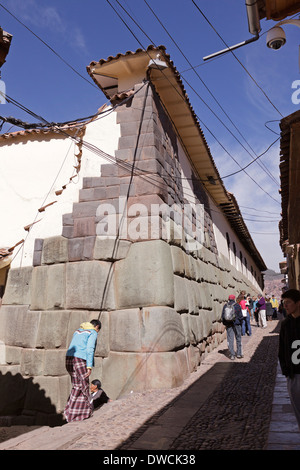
(239, 103)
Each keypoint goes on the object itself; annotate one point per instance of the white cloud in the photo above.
(34, 14)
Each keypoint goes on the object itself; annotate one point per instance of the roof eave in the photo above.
(170, 89)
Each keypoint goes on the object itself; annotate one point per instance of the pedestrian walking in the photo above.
(255, 310)
(289, 347)
(261, 305)
(249, 303)
(281, 309)
(269, 309)
(246, 326)
(79, 363)
(232, 318)
(275, 306)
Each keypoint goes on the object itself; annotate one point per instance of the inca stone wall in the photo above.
(159, 303)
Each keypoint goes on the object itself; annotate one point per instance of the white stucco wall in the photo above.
(32, 169)
(220, 225)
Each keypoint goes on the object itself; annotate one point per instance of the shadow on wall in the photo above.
(23, 402)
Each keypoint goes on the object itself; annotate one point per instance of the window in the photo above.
(228, 240)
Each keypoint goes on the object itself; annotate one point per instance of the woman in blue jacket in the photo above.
(79, 363)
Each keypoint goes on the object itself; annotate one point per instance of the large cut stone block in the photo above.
(55, 250)
(103, 346)
(125, 330)
(181, 298)
(32, 362)
(146, 330)
(97, 371)
(206, 317)
(110, 249)
(12, 391)
(13, 354)
(21, 325)
(18, 286)
(123, 372)
(178, 260)
(89, 285)
(81, 249)
(192, 294)
(2, 353)
(55, 362)
(126, 372)
(161, 329)
(53, 329)
(10, 316)
(186, 327)
(44, 394)
(145, 276)
(48, 287)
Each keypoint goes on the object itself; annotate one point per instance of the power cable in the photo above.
(67, 62)
(274, 120)
(255, 209)
(211, 94)
(248, 73)
(197, 116)
(16, 103)
(25, 125)
(44, 201)
(49, 47)
(265, 233)
(87, 145)
(47, 124)
(271, 145)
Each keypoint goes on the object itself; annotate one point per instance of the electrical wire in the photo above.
(110, 158)
(274, 120)
(85, 78)
(242, 65)
(47, 124)
(49, 47)
(234, 173)
(265, 233)
(63, 59)
(255, 209)
(127, 166)
(44, 201)
(196, 115)
(87, 145)
(212, 95)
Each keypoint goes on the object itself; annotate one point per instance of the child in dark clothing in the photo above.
(97, 397)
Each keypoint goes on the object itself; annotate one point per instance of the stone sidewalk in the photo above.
(224, 405)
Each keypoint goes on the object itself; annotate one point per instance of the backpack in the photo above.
(229, 312)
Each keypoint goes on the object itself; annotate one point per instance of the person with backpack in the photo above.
(232, 318)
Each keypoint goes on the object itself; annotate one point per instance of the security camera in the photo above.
(276, 38)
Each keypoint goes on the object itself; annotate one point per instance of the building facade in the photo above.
(123, 218)
(290, 202)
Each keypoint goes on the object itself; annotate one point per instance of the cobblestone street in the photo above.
(237, 413)
(224, 405)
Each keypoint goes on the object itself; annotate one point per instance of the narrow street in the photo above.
(224, 405)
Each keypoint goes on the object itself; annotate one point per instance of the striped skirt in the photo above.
(78, 406)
